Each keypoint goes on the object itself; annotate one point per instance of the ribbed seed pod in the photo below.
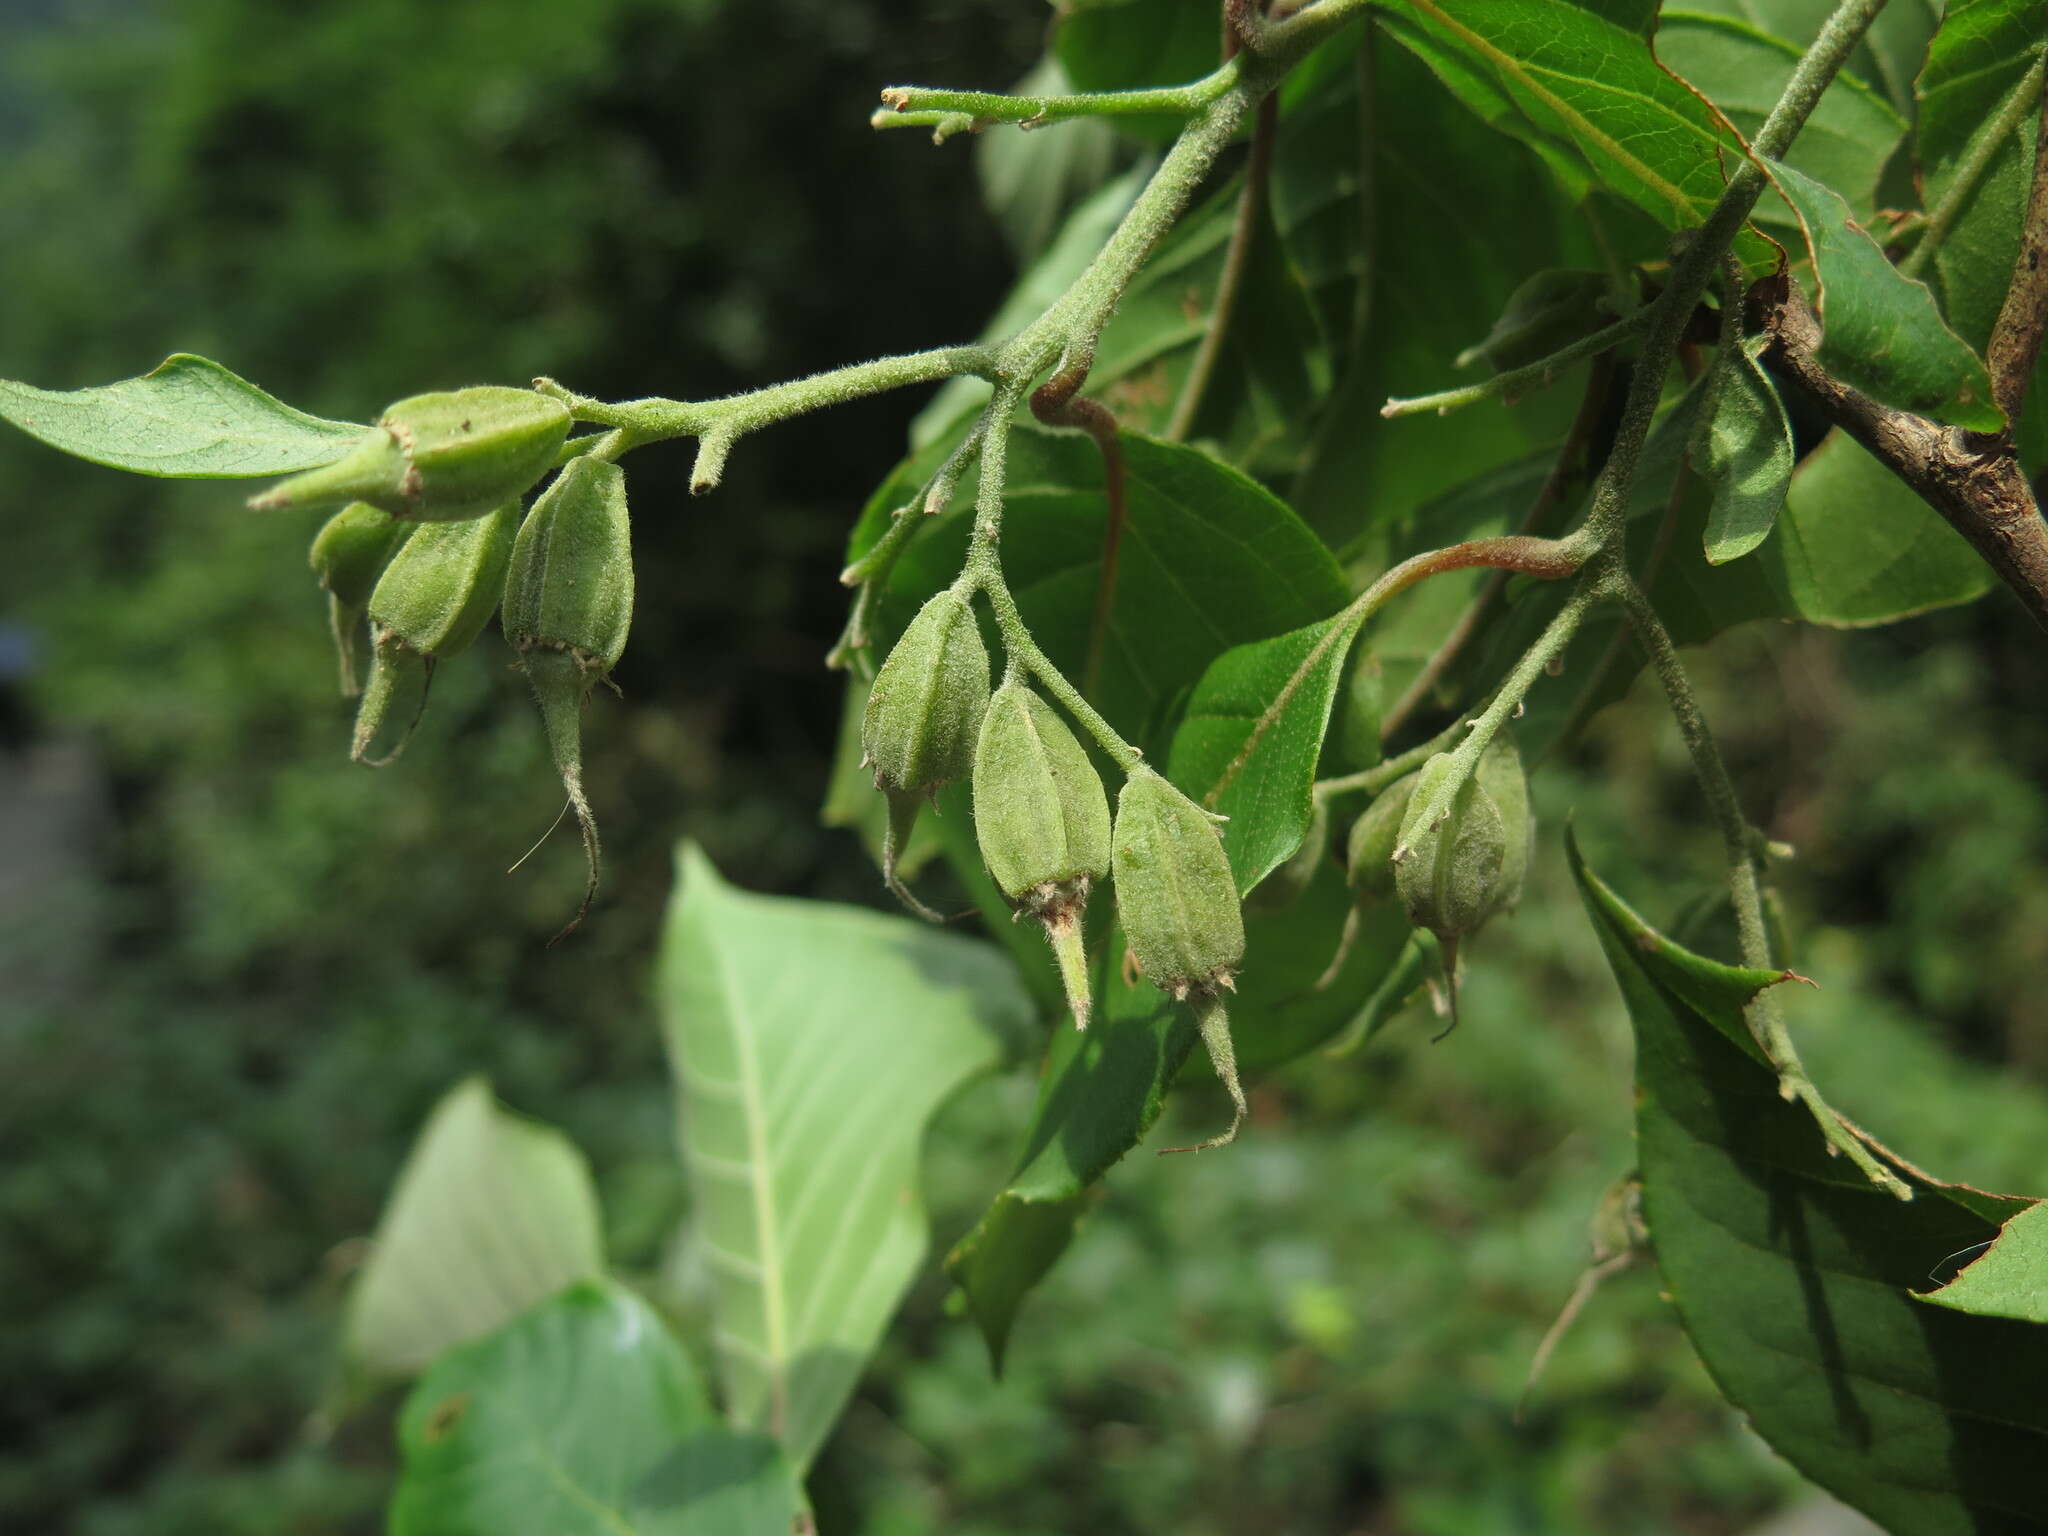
(443, 457)
(923, 717)
(1457, 871)
(1042, 820)
(568, 607)
(433, 600)
(347, 557)
(1178, 900)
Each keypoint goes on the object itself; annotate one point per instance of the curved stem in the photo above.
(1969, 175)
(1766, 1019)
(1251, 209)
(1570, 467)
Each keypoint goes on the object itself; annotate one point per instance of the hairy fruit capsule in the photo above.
(443, 457)
(1459, 869)
(923, 716)
(433, 600)
(568, 607)
(1042, 819)
(1178, 900)
(347, 556)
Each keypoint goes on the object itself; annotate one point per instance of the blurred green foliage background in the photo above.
(235, 971)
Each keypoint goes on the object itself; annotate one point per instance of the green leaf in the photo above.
(1104, 1088)
(1888, 57)
(1584, 81)
(810, 1045)
(2011, 1279)
(1976, 65)
(1249, 743)
(1746, 451)
(1845, 143)
(1881, 330)
(1796, 1280)
(1208, 559)
(490, 1214)
(583, 1417)
(1436, 169)
(185, 418)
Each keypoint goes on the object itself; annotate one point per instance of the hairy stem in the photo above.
(1251, 210)
(1539, 374)
(1969, 175)
(1514, 688)
(1569, 468)
(1766, 1019)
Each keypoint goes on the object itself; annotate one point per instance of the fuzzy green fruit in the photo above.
(1369, 853)
(1042, 819)
(568, 608)
(923, 717)
(347, 556)
(432, 602)
(1178, 900)
(444, 457)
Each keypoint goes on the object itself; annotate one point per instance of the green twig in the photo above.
(1251, 210)
(2003, 127)
(1540, 374)
(922, 102)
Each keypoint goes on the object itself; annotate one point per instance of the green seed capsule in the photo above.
(1042, 819)
(1178, 900)
(444, 457)
(347, 556)
(1174, 888)
(1374, 836)
(923, 717)
(568, 606)
(431, 603)
(1457, 871)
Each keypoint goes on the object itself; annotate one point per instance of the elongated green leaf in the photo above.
(1881, 330)
(1581, 79)
(810, 1045)
(1103, 1090)
(491, 1214)
(1746, 451)
(186, 418)
(1796, 1280)
(582, 1417)
(1252, 736)
(1970, 95)
(1207, 559)
(1742, 70)
(2011, 1279)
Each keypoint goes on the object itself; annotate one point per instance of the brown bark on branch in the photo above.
(1972, 480)
(2016, 338)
